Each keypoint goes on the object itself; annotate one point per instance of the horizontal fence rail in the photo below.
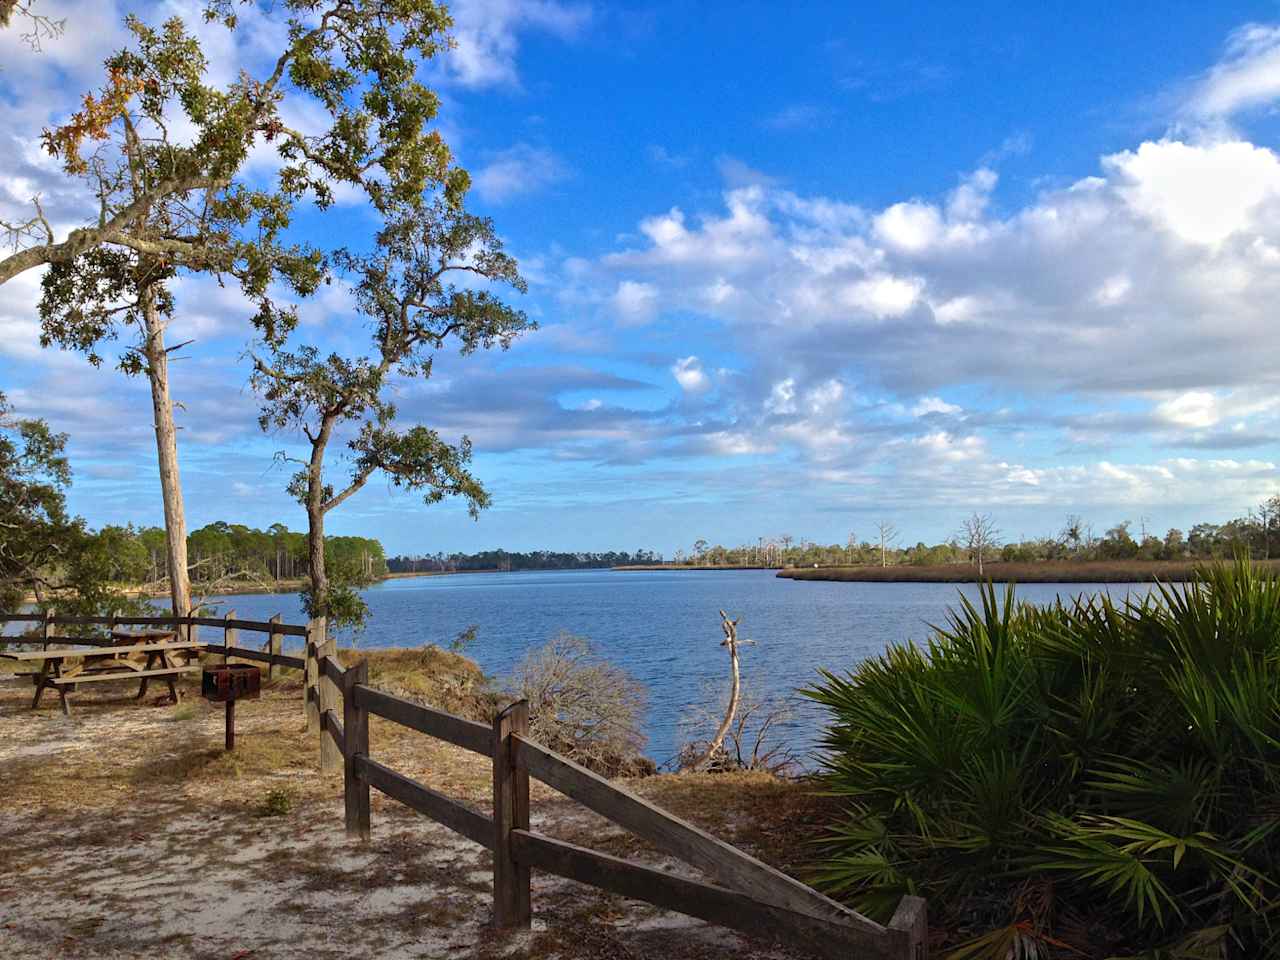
(748, 895)
(680, 839)
(714, 904)
(458, 817)
(261, 626)
(467, 734)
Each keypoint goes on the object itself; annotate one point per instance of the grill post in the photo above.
(511, 895)
(231, 724)
(355, 722)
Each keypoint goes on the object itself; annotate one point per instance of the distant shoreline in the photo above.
(681, 567)
(1089, 571)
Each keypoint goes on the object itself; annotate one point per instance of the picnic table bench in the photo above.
(64, 670)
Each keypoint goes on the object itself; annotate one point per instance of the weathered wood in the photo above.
(330, 758)
(230, 637)
(245, 653)
(330, 667)
(467, 734)
(311, 680)
(275, 646)
(355, 785)
(511, 897)
(330, 727)
(131, 675)
(98, 650)
(912, 919)
(725, 863)
(252, 626)
(824, 937)
(258, 626)
(456, 816)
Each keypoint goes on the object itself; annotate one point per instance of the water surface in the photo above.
(664, 627)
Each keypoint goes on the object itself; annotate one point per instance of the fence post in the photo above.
(44, 629)
(511, 905)
(230, 638)
(330, 758)
(275, 646)
(310, 687)
(912, 918)
(355, 730)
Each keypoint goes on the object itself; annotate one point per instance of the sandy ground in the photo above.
(128, 832)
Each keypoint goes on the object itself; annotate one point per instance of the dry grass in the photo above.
(130, 832)
(1092, 571)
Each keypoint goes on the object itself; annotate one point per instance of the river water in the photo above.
(664, 627)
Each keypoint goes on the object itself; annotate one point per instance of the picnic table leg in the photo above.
(142, 684)
(66, 704)
(167, 664)
(42, 680)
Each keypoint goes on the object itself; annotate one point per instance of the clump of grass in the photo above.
(1086, 779)
(183, 711)
(277, 802)
(440, 678)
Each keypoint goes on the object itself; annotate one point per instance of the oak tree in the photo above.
(165, 153)
(414, 304)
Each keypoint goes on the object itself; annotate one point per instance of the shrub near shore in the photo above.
(1078, 780)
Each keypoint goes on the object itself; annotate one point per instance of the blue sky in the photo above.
(796, 273)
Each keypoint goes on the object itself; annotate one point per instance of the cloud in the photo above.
(931, 405)
(635, 301)
(1247, 76)
(738, 174)
(797, 116)
(663, 157)
(690, 375)
(1201, 193)
(487, 34)
(517, 171)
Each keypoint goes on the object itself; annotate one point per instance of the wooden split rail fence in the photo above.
(743, 893)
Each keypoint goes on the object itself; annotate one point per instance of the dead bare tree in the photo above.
(716, 743)
(980, 535)
(751, 742)
(888, 535)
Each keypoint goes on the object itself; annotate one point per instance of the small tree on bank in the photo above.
(404, 291)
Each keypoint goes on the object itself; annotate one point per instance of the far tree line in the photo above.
(978, 540)
(513, 560)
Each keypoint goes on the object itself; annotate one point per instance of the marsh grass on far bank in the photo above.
(1083, 779)
(1039, 571)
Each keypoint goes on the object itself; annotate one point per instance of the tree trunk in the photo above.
(175, 517)
(315, 520)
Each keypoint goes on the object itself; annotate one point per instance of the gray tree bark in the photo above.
(175, 517)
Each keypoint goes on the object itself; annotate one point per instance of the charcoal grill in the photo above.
(227, 684)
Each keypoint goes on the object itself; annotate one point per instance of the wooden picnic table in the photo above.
(64, 670)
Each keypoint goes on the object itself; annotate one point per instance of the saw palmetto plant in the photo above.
(1087, 779)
